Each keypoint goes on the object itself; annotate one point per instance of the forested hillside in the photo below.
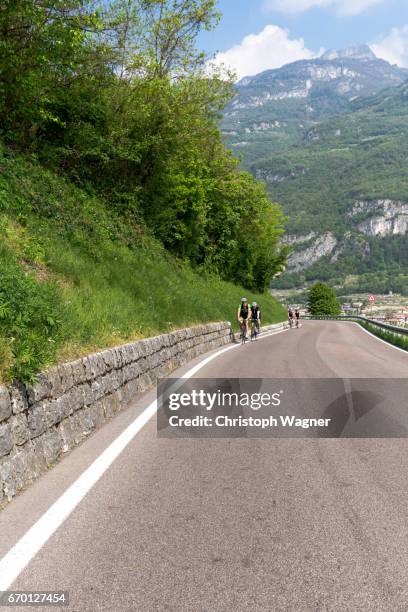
(335, 157)
(345, 189)
(122, 213)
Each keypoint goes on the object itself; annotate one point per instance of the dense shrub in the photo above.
(31, 322)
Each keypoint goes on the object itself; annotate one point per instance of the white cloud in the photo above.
(271, 48)
(394, 47)
(342, 7)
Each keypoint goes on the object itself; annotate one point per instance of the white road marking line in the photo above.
(20, 555)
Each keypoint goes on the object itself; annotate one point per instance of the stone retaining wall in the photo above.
(38, 424)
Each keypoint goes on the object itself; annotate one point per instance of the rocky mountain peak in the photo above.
(361, 52)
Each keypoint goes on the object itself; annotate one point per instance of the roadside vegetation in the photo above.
(322, 301)
(395, 339)
(121, 213)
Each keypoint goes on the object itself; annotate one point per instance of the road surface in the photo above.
(234, 525)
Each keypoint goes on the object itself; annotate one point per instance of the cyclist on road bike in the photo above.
(256, 317)
(297, 315)
(290, 317)
(243, 316)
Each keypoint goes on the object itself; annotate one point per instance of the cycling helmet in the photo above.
(254, 304)
(243, 300)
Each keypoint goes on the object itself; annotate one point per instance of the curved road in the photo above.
(235, 524)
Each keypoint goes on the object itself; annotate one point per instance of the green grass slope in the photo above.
(73, 278)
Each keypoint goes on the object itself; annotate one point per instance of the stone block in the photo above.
(66, 435)
(112, 405)
(154, 360)
(6, 440)
(126, 399)
(117, 407)
(97, 413)
(67, 377)
(76, 427)
(118, 381)
(40, 390)
(144, 383)
(72, 400)
(124, 355)
(7, 478)
(134, 370)
(94, 366)
(19, 429)
(85, 393)
(97, 390)
(36, 420)
(108, 359)
(54, 378)
(137, 351)
(82, 425)
(18, 397)
(51, 412)
(143, 364)
(36, 453)
(86, 364)
(5, 403)
(78, 372)
(101, 365)
(52, 445)
(119, 358)
(15, 472)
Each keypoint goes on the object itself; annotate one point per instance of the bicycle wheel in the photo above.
(257, 330)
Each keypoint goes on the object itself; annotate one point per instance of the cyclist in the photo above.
(243, 315)
(290, 317)
(256, 317)
(297, 315)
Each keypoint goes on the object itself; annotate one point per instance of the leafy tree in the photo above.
(117, 96)
(158, 37)
(322, 301)
(45, 47)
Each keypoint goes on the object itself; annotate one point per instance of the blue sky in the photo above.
(301, 28)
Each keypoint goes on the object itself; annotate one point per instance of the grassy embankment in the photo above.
(75, 279)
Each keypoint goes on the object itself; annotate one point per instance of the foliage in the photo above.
(121, 212)
(31, 317)
(395, 339)
(322, 300)
(116, 96)
(76, 277)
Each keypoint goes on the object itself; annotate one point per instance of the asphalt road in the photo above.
(235, 524)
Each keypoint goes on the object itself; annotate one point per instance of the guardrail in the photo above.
(402, 331)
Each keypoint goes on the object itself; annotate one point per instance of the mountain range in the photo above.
(329, 136)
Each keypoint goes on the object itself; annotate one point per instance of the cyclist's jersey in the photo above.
(255, 313)
(290, 314)
(244, 312)
(297, 313)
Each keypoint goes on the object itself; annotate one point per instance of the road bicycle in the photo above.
(254, 330)
(242, 335)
